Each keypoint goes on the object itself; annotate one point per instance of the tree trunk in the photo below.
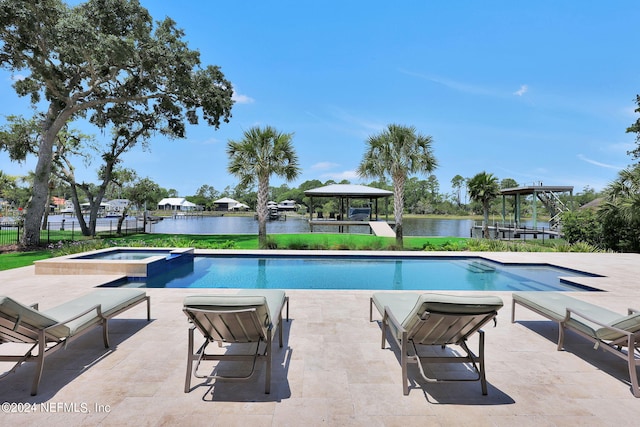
(54, 121)
(398, 207)
(95, 203)
(485, 226)
(262, 211)
(121, 220)
(39, 193)
(45, 217)
(78, 209)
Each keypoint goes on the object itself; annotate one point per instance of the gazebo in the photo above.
(348, 215)
(547, 194)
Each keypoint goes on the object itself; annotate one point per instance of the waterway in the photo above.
(293, 224)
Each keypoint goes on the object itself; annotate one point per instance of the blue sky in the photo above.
(534, 91)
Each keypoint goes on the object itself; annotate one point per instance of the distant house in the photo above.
(287, 205)
(68, 208)
(117, 206)
(176, 204)
(239, 207)
(224, 204)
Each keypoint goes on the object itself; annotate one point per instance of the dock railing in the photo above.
(512, 231)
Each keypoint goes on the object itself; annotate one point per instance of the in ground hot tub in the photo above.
(130, 262)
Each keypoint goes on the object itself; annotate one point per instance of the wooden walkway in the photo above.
(382, 228)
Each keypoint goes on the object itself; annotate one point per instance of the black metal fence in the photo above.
(10, 233)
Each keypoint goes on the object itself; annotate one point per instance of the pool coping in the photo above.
(74, 264)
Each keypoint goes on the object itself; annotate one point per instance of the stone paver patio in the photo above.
(331, 370)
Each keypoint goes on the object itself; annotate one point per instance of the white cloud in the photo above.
(453, 84)
(364, 126)
(18, 77)
(523, 89)
(339, 176)
(242, 99)
(324, 166)
(630, 111)
(594, 162)
(621, 147)
(210, 141)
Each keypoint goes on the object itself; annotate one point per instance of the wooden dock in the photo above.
(379, 228)
(382, 228)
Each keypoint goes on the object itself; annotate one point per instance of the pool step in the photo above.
(528, 286)
(479, 267)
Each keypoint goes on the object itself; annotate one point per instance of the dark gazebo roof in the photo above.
(530, 189)
(348, 190)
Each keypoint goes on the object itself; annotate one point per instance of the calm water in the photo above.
(305, 272)
(248, 225)
(126, 255)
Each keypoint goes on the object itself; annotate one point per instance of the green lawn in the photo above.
(20, 259)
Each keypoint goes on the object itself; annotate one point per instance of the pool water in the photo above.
(125, 255)
(470, 274)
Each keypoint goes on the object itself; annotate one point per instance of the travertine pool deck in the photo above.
(331, 370)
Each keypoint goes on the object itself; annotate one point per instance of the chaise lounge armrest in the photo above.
(625, 326)
(97, 308)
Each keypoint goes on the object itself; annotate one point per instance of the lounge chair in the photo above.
(250, 316)
(607, 329)
(49, 330)
(435, 320)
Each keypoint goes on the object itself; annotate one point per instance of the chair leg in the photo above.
(483, 376)
(42, 346)
(560, 336)
(384, 330)
(633, 370)
(280, 327)
(267, 386)
(404, 360)
(105, 332)
(187, 382)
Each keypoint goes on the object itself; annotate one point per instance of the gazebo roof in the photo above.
(348, 190)
(530, 189)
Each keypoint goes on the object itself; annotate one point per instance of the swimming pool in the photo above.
(367, 273)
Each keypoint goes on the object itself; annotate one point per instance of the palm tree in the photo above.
(397, 151)
(484, 188)
(620, 213)
(259, 154)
